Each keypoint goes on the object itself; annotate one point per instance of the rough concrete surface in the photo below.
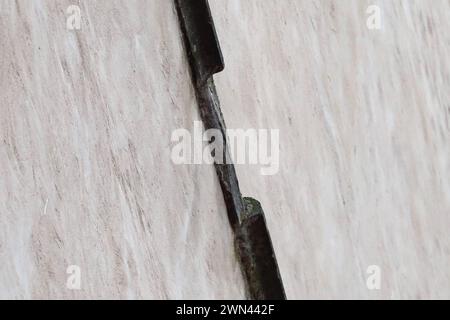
(85, 140)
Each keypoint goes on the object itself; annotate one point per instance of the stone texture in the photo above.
(364, 119)
(85, 127)
(86, 175)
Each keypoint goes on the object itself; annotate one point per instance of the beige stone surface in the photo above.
(85, 172)
(364, 119)
(87, 116)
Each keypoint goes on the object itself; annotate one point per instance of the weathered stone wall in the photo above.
(86, 175)
(364, 119)
(85, 140)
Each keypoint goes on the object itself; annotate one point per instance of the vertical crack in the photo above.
(252, 239)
